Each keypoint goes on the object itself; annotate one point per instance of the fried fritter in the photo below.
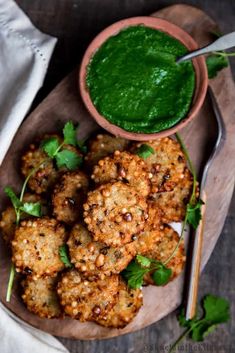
(167, 165)
(46, 176)
(102, 146)
(86, 300)
(35, 247)
(95, 259)
(171, 205)
(40, 296)
(148, 238)
(114, 213)
(8, 219)
(69, 196)
(164, 249)
(129, 302)
(125, 167)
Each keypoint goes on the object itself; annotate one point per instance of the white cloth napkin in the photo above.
(24, 56)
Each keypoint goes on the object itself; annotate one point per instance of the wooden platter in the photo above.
(64, 103)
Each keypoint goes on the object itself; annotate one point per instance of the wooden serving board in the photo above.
(65, 103)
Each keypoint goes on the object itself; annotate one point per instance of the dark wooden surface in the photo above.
(75, 23)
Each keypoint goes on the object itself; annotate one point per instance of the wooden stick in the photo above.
(194, 273)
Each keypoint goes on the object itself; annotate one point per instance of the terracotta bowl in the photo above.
(167, 27)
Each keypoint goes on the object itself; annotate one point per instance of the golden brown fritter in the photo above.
(7, 224)
(101, 146)
(35, 247)
(40, 296)
(8, 219)
(69, 195)
(164, 249)
(167, 165)
(86, 300)
(171, 205)
(114, 213)
(125, 167)
(95, 259)
(46, 176)
(129, 302)
(148, 238)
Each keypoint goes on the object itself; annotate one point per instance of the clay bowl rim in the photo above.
(199, 64)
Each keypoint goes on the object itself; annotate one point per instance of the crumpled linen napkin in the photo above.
(24, 56)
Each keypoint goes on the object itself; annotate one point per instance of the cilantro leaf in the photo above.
(32, 208)
(161, 276)
(144, 151)
(193, 213)
(50, 146)
(134, 275)
(69, 132)
(64, 256)
(14, 199)
(182, 320)
(216, 309)
(68, 159)
(215, 63)
(82, 146)
(144, 261)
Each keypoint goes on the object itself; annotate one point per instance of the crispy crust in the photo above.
(86, 300)
(95, 259)
(35, 247)
(162, 251)
(40, 296)
(171, 206)
(125, 167)
(129, 302)
(69, 196)
(101, 146)
(114, 213)
(167, 165)
(148, 238)
(8, 219)
(45, 177)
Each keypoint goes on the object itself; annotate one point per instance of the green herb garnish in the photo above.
(144, 151)
(63, 156)
(138, 268)
(216, 311)
(215, 63)
(64, 256)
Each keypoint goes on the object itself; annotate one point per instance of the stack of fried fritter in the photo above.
(118, 206)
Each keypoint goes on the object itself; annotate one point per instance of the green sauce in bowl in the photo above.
(135, 83)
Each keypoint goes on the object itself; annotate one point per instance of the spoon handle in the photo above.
(225, 42)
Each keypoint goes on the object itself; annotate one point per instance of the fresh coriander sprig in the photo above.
(138, 268)
(64, 157)
(31, 208)
(64, 256)
(216, 311)
(144, 151)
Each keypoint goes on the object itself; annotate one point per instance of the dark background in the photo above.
(75, 23)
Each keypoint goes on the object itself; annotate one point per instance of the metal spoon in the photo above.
(225, 42)
(194, 273)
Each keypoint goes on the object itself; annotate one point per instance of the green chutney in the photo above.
(135, 83)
